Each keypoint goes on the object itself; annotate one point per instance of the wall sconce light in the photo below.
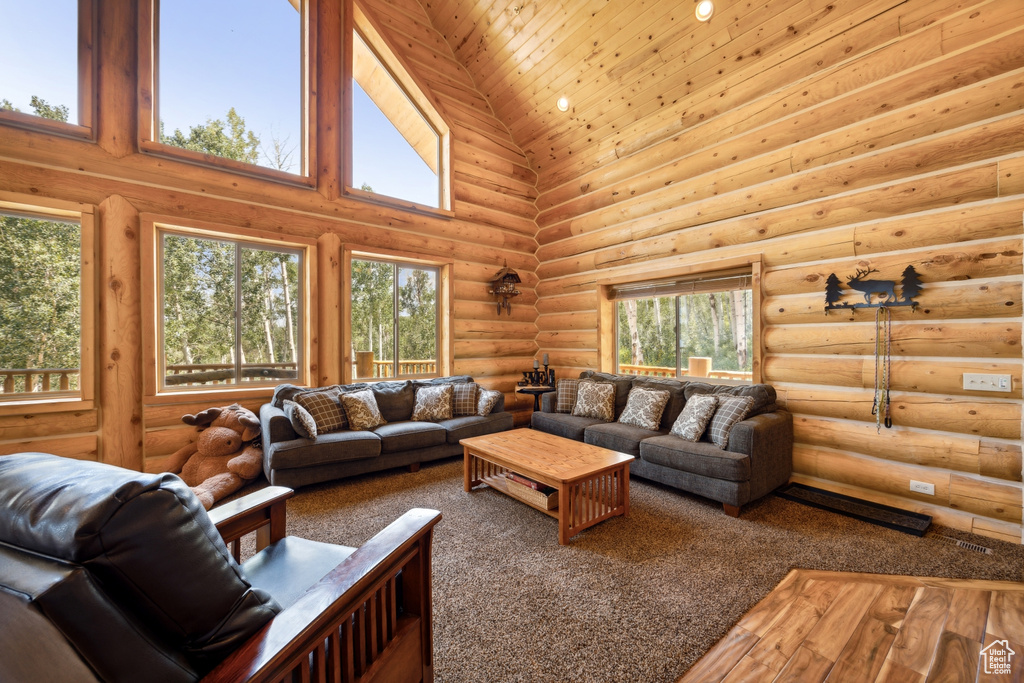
(562, 103)
(503, 285)
(705, 8)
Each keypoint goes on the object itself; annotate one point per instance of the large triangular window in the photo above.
(398, 140)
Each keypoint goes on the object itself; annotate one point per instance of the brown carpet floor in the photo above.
(632, 599)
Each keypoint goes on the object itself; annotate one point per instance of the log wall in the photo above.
(875, 135)
(492, 221)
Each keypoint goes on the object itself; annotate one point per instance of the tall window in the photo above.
(46, 63)
(396, 150)
(41, 308)
(231, 312)
(697, 327)
(394, 319)
(231, 80)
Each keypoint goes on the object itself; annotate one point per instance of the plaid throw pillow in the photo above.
(644, 408)
(433, 404)
(594, 399)
(362, 411)
(486, 401)
(697, 412)
(565, 395)
(731, 409)
(464, 399)
(323, 405)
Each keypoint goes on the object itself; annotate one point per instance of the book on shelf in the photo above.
(529, 483)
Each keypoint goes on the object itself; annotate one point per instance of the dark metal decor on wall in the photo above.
(910, 287)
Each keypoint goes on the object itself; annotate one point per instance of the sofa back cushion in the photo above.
(763, 394)
(395, 400)
(146, 540)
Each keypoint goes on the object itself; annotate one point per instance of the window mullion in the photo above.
(394, 312)
(238, 314)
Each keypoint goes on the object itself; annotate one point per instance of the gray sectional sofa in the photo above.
(293, 461)
(757, 459)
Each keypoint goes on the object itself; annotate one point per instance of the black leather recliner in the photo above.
(114, 575)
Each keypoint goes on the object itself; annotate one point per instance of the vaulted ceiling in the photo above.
(618, 62)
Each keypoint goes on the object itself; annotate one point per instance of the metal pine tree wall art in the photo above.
(875, 293)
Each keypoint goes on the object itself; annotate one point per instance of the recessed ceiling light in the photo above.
(562, 104)
(705, 8)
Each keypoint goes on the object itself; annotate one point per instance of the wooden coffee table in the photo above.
(592, 482)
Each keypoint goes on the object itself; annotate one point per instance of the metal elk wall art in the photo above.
(881, 296)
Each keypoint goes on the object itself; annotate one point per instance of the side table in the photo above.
(536, 393)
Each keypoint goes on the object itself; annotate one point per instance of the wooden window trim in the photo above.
(153, 226)
(84, 128)
(148, 99)
(445, 299)
(607, 307)
(391, 58)
(85, 215)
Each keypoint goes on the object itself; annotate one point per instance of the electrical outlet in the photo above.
(922, 487)
(981, 382)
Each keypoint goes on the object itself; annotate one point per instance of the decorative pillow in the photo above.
(433, 403)
(595, 399)
(565, 395)
(486, 400)
(464, 399)
(644, 408)
(323, 405)
(697, 412)
(731, 409)
(361, 409)
(302, 422)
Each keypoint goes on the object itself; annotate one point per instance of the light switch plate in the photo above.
(982, 382)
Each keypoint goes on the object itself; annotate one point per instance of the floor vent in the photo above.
(965, 545)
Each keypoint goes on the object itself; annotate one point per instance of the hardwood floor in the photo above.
(836, 626)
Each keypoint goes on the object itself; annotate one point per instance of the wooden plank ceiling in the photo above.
(617, 61)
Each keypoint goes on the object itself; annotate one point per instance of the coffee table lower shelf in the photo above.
(583, 501)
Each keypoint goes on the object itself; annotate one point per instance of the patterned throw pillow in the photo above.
(697, 412)
(464, 399)
(731, 409)
(323, 405)
(565, 395)
(595, 399)
(361, 409)
(486, 401)
(302, 422)
(433, 403)
(644, 407)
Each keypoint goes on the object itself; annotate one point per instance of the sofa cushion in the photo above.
(617, 436)
(693, 421)
(395, 400)
(302, 422)
(327, 448)
(644, 408)
(676, 397)
(487, 400)
(701, 458)
(408, 435)
(287, 568)
(323, 406)
(433, 403)
(560, 424)
(361, 409)
(468, 426)
(565, 395)
(464, 399)
(731, 409)
(622, 384)
(764, 395)
(595, 399)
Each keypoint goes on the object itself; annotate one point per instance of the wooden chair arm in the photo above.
(356, 623)
(262, 511)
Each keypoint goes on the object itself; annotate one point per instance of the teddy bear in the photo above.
(226, 455)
